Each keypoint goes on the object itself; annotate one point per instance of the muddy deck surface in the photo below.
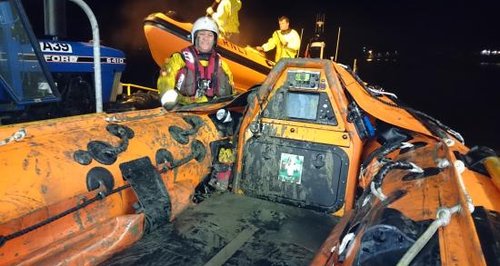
(229, 229)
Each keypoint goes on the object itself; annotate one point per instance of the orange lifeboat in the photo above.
(312, 167)
(248, 66)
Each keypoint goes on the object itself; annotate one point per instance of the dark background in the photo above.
(438, 68)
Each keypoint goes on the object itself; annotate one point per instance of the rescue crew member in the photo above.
(198, 73)
(285, 40)
(226, 16)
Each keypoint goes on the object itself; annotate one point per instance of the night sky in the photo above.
(438, 42)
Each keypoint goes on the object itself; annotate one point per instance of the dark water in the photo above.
(460, 92)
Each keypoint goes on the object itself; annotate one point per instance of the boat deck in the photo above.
(231, 229)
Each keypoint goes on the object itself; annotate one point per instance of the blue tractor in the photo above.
(42, 79)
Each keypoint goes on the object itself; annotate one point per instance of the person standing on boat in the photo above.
(285, 40)
(198, 73)
(226, 15)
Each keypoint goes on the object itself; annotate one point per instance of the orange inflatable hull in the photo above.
(45, 177)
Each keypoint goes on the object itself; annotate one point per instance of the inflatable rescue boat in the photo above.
(312, 167)
(166, 36)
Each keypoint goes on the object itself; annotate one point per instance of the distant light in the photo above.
(488, 52)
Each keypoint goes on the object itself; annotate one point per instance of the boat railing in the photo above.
(97, 53)
(129, 87)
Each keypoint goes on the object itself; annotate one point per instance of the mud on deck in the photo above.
(229, 229)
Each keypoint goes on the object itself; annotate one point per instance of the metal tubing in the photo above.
(97, 53)
(55, 18)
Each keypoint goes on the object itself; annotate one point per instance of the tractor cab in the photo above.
(24, 76)
(48, 78)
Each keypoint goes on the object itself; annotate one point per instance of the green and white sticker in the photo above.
(291, 168)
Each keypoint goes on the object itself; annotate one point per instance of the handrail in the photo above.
(129, 86)
(97, 53)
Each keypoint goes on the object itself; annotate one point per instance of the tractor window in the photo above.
(23, 73)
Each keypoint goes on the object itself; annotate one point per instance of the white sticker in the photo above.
(188, 57)
(291, 166)
(60, 58)
(58, 47)
(115, 60)
(180, 80)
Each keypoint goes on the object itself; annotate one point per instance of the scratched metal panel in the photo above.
(299, 173)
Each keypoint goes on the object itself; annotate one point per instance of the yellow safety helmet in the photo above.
(204, 23)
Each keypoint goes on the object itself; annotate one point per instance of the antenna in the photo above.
(317, 44)
(337, 46)
(320, 24)
(55, 18)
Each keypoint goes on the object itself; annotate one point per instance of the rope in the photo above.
(99, 196)
(381, 92)
(377, 192)
(443, 218)
(376, 183)
(460, 167)
(119, 118)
